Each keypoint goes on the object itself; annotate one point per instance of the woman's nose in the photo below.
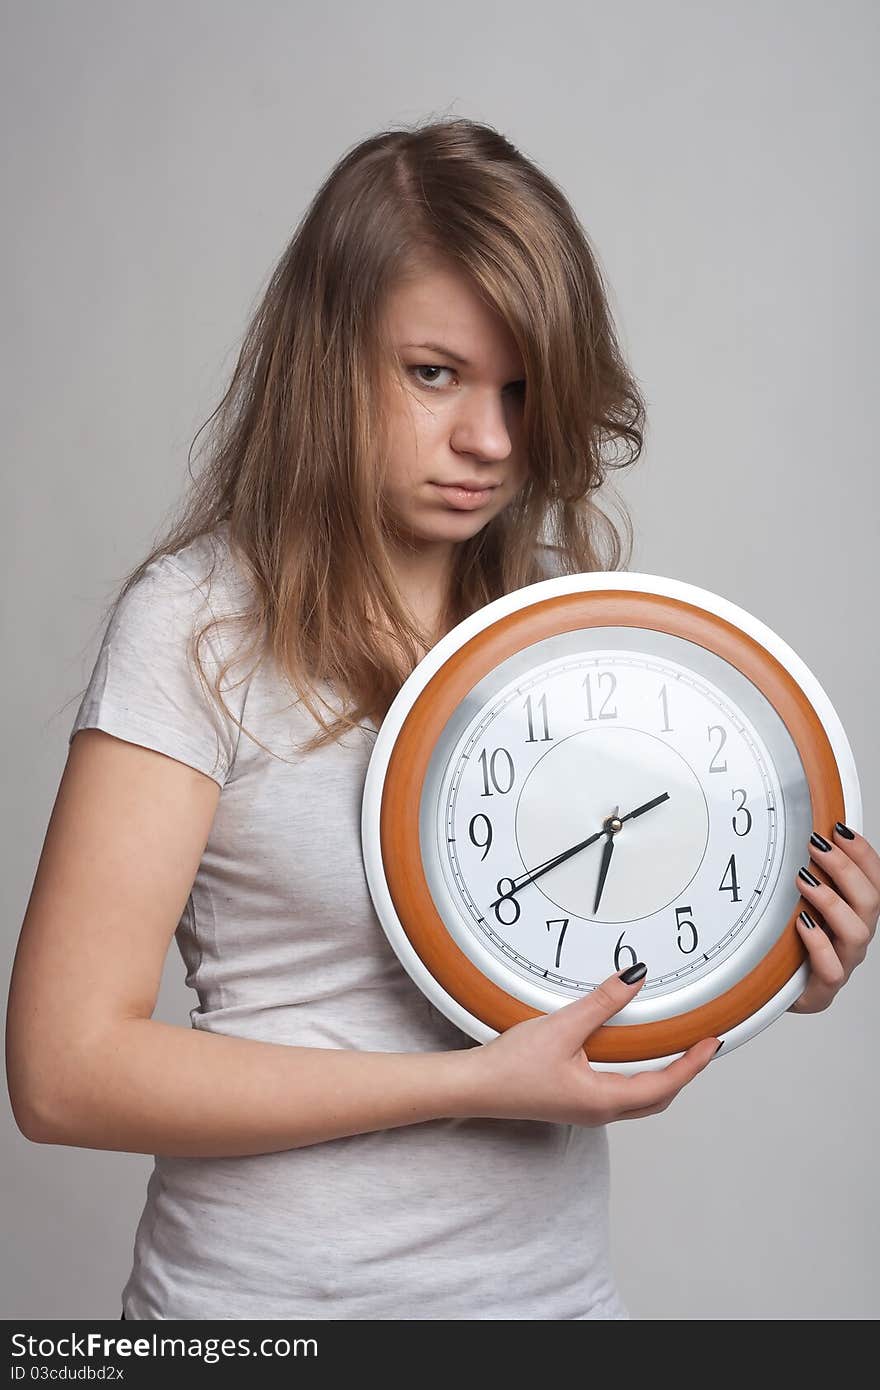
(481, 427)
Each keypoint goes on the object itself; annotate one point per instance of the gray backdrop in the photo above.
(158, 157)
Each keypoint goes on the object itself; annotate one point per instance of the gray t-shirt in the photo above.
(450, 1218)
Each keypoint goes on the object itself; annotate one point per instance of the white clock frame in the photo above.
(463, 633)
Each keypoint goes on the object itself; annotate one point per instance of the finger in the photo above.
(851, 934)
(648, 1092)
(827, 972)
(576, 1021)
(860, 851)
(850, 878)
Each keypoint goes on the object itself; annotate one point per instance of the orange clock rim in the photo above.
(408, 764)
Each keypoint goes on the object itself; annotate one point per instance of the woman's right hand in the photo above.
(538, 1070)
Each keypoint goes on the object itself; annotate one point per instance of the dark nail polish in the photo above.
(718, 1048)
(808, 877)
(634, 972)
(844, 830)
(819, 841)
(807, 919)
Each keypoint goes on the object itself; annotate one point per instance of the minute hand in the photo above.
(546, 867)
(575, 849)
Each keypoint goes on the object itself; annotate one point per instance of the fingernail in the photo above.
(718, 1048)
(634, 972)
(844, 830)
(818, 840)
(808, 878)
(806, 919)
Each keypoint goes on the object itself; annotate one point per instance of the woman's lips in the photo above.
(464, 499)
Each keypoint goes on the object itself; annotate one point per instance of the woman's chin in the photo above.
(451, 526)
(452, 521)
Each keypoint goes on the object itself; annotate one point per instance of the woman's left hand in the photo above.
(845, 918)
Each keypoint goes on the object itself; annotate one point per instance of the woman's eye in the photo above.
(426, 368)
(516, 388)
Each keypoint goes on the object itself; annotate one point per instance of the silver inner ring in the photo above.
(795, 824)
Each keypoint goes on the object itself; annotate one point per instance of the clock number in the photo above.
(489, 769)
(481, 844)
(543, 704)
(717, 729)
(553, 923)
(740, 791)
(618, 953)
(733, 885)
(612, 714)
(667, 728)
(682, 922)
(506, 898)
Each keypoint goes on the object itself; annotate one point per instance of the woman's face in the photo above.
(458, 415)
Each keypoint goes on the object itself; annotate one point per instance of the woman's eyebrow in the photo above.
(443, 351)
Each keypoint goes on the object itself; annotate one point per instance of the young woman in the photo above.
(327, 1144)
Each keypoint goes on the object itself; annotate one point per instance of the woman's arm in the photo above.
(87, 1064)
(151, 1087)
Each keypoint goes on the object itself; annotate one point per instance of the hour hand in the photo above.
(603, 868)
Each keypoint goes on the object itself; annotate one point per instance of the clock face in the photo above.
(634, 739)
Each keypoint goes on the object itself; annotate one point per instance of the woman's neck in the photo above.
(425, 591)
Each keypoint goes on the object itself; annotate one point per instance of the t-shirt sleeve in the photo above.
(145, 688)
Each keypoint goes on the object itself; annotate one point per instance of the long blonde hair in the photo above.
(298, 443)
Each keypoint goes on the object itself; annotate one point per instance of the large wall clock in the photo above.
(597, 769)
